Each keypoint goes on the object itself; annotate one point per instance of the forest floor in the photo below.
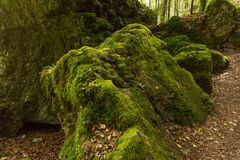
(33, 142)
(219, 137)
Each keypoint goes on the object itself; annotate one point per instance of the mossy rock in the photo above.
(129, 82)
(220, 61)
(200, 64)
(220, 18)
(172, 42)
(10, 119)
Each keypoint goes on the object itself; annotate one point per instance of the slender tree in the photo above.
(191, 8)
(163, 11)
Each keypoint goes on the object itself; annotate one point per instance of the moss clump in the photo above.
(129, 82)
(172, 42)
(220, 18)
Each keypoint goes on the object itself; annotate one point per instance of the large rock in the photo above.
(129, 82)
(201, 62)
(34, 34)
(220, 18)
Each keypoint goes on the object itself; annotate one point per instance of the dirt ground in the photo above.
(33, 142)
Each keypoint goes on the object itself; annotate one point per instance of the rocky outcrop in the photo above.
(131, 83)
(34, 34)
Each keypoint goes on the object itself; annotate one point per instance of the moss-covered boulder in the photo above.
(34, 34)
(220, 18)
(131, 83)
(201, 62)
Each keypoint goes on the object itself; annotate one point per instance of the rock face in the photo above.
(34, 34)
(131, 83)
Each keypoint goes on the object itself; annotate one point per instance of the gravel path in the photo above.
(219, 137)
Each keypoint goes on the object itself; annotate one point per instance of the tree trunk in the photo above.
(176, 7)
(169, 9)
(163, 11)
(191, 8)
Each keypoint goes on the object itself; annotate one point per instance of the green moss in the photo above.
(129, 82)
(200, 64)
(135, 144)
(172, 42)
(220, 61)
(186, 47)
